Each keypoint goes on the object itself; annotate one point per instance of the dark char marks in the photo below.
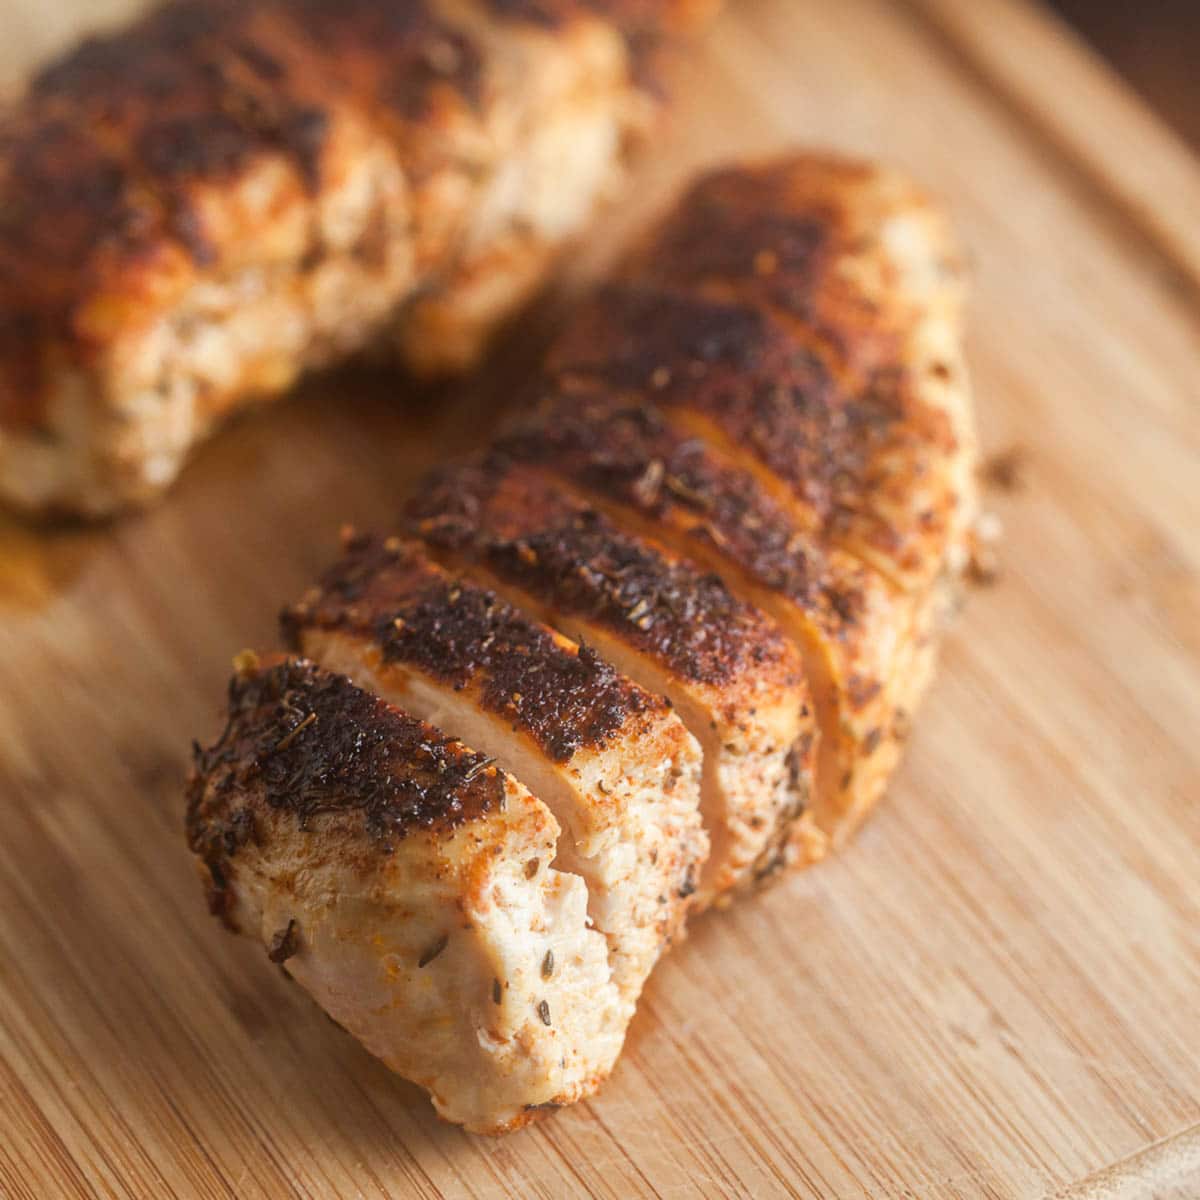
(631, 456)
(309, 742)
(465, 637)
(534, 536)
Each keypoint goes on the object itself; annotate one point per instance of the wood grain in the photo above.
(994, 993)
(1153, 47)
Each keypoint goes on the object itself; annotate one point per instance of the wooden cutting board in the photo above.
(994, 993)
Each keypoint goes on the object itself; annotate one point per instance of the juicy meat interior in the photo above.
(406, 883)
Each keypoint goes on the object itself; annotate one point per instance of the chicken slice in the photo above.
(732, 676)
(406, 883)
(613, 762)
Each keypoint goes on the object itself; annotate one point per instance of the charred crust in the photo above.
(760, 333)
(784, 252)
(785, 229)
(466, 636)
(104, 154)
(630, 455)
(308, 742)
(199, 91)
(532, 535)
(730, 363)
(109, 154)
(61, 196)
(636, 336)
(399, 59)
(832, 437)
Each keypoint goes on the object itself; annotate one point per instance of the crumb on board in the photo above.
(1006, 470)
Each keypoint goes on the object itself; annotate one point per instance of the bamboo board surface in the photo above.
(994, 993)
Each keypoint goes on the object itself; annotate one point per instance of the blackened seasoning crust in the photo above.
(203, 90)
(400, 58)
(535, 536)
(632, 456)
(766, 392)
(783, 254)
(633, 336)
(787, 339)
(788, 232)
(466, 636)
(310, 742)
(770, 394)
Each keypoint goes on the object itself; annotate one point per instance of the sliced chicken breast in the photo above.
(406, 883)
(745, 480)
(732, 676)
(612, 762)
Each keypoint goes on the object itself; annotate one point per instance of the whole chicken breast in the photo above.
(199, 208)
(406, 883)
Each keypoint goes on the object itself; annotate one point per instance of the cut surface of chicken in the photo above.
(613, 762)
(732, 676)
(200, 207)
(406, 883)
